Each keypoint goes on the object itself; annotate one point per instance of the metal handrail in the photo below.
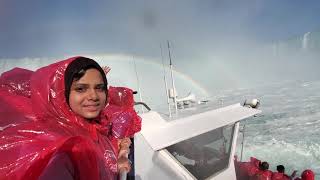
(144, 104)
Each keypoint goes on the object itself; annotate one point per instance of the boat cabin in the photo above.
(196, 144)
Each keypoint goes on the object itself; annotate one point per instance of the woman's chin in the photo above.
(90, 115)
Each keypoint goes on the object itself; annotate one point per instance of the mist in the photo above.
(221, 44)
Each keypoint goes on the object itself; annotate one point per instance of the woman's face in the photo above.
(88, 94)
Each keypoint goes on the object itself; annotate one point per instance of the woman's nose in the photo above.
(93, 95)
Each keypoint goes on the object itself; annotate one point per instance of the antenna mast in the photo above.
(172, 80)
(165, 82)
(138, 82)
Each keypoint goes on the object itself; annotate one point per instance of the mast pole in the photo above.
(165, 82)
(172, 80)
(138, 82)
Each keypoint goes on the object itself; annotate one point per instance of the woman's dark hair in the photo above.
(76, 69)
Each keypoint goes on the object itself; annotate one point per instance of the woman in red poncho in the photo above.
(52, 125)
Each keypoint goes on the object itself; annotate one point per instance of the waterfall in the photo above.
(305, 40)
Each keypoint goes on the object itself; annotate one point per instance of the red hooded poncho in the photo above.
(36, 123)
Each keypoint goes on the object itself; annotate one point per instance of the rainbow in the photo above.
(153, 62)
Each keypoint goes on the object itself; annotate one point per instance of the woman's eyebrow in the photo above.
(80, 84)
(85, 84)
(77, 83)
(100, 84)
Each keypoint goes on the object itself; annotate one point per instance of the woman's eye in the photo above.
(80, 89)
(101, 88)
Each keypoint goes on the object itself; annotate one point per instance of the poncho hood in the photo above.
(36, 123)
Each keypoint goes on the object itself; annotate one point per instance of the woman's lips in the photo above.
(91, 107)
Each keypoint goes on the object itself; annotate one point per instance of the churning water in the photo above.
(288, 129)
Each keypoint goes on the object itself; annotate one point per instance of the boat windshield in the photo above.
(206, 154)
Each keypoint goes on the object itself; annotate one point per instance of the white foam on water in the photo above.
(298, 156)
(287, 132)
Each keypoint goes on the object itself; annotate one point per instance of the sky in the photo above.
(218, 37)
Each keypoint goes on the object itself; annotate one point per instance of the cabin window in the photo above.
(206, 154)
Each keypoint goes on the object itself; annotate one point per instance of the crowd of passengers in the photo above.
(257, 170)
